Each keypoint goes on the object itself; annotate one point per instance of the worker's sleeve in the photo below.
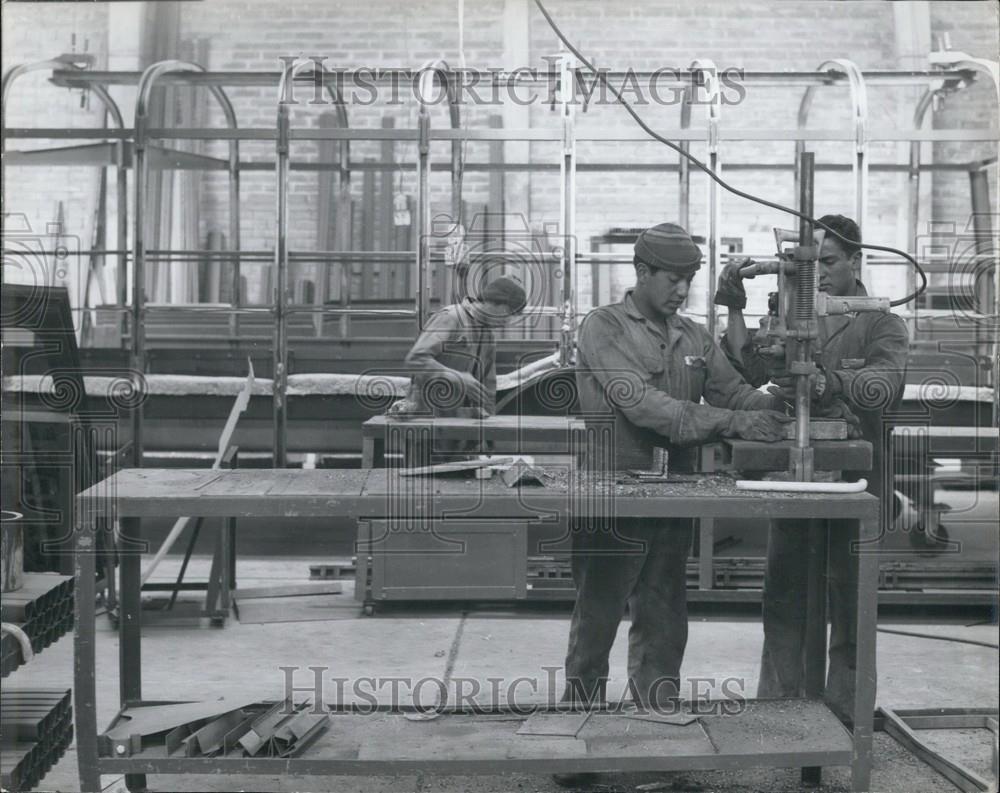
(874, 385)
(748, 364)
(726, 388)
(423, 356)
(626, 378)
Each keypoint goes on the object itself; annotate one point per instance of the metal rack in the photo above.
(132, 147)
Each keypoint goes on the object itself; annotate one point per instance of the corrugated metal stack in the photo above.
(42, 608)
(36, 727)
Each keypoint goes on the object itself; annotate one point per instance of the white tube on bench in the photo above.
(803, 487)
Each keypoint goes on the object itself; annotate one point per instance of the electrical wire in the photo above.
(718, 180)
(958, 639)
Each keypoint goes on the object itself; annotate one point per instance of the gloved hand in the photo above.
(784, 386)
(757, 425)
(730, 292)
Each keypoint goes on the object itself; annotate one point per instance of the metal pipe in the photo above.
(859, 116)
(137, 359)
(684, 166)
(281, 253)
(542, 134)
(426, 76)
(802, 487)
(75, 63)
(708, 80)
(392, 77)
(567, 199)
(925, 102)
(804, 311)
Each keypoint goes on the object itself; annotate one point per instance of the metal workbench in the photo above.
(775, 733)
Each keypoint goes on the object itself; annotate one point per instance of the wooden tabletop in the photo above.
(374, 493)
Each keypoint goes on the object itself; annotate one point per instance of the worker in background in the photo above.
(642, 372)
(453, 362)
(862, 374)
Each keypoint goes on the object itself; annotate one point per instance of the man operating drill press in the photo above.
(861, 376)
(642, 373)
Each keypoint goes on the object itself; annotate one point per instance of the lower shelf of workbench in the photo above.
(775, 733)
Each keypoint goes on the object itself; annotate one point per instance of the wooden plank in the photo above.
(821, 429)
(290, 590)
(829, 455)
(453, 743)
(806, 725)
(554, 723)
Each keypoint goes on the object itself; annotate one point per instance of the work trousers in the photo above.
(782, 667)
(642, 565)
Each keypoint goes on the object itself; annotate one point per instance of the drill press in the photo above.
(789, 336)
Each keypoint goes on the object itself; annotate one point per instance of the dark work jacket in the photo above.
(454, 338)
(646, 387)
(864, 359)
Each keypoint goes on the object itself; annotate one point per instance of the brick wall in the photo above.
(647, 34)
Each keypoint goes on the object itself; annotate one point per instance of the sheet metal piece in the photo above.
(208, 740)
(554, 723)
(134, 724)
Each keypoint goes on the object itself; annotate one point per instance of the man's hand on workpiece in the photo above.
(784, 386)
(757, 425)
(731, 292)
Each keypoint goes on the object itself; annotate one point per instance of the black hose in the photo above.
(958, 639)
(718, 180)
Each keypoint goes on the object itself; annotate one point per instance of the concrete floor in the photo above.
(192, 660)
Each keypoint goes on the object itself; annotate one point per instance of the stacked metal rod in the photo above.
(36, 727)
(42, 608)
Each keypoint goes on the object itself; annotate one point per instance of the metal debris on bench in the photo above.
(136, 726)
(283, 730)
(521, 472)
(676, 719)
(213, 729)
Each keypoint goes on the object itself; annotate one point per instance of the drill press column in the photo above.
(802, 330)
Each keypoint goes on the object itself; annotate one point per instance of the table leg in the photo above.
(815, 643)
(864, 688)
(85, 658)
(130, 627)
(226, 589)
(706, 552)
(368, 451)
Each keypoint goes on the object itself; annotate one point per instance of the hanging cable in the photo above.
(718, 180)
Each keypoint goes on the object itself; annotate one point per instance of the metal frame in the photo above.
(428, 73)
(117, 148)
(140, 137)
(859, 118)
(901, 725)
(961, 71)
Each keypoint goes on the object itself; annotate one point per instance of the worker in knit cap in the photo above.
(643, 370)
(453, 362)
